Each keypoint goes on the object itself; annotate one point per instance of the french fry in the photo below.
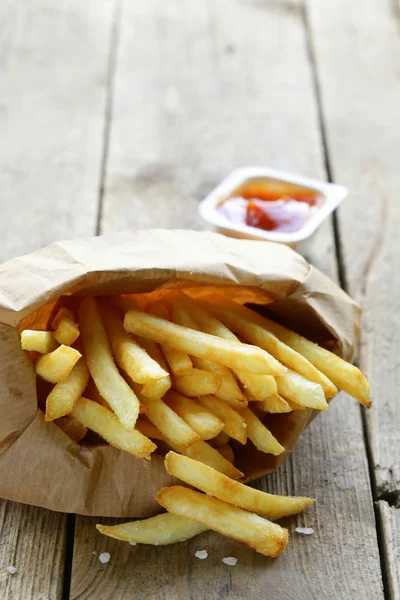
(274, 404)
(216, 484)
(201, 420)
(160, 530)
(148, 429)
(75, 430)
(93, 393)
(246, 322)
(256, 387)
(169, 423)
(295, 387)
(57, 365)
(203, 345)
(155, 388)
(294, 406)
(342, 374)
(265, 537)
(196, 382)
(67, 331)
(261, 437)
(128, 354)
(108, 426)
(204, 453)
(102, 367)
(228, 390)
(38, 341)
(220, 440)
(227, 452)
(234, 423)
(64, 394)
(62, 312)
(178, 361)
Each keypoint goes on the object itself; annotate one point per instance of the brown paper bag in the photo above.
(39, 464)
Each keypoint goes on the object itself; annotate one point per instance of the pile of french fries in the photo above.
(191, 377)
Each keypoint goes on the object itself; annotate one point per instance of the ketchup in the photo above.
(271, 205)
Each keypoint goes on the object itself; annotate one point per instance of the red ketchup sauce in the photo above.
(271, 205)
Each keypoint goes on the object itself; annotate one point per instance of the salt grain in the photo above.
(12, 570)
(305, 530)
(104, 557)
(94, 553)
(132, 543)
(230, 560)
(202, 554)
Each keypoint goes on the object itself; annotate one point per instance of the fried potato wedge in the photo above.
(265, 537)
(216, 484)
(97, 418)
(160, 530)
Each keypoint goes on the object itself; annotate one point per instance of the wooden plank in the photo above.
(361, 99)
(53, 72)
(197, 92)
(390, 520)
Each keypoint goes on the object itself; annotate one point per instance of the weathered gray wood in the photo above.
(358, 50)
(53, 75)
(390, 520)
(200, 89)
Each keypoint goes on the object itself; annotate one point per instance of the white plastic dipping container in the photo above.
(238, 188)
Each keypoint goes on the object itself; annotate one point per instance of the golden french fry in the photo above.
(227, 452)
(201, 420)
(148, 429)
(345, 376)
(111, 385)
(93, 393)
(97, 418)
(64, 394)
(295, 387)
(216, 484)
(228, 390)
(67, 331)
(160, 530)
(196, 382)
(178, 361)
(128, 354)
(249, 325)
(220, 440)
(75, 430)
(234, 423)
(274, 404)
(294, 406)
(204, 453)
(169, 423)
(256, 387)
(156, 388)
(38, 341)
(62, 312)
(196, 343)
(57, 365)
(265, 537)
(261, 437)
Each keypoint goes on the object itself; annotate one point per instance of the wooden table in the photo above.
(119, 115)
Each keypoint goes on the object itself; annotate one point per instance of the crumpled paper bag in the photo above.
(39, 464)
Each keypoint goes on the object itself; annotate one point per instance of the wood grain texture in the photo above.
(390, 520)
(53, 79)
(357, 46)
(53, 71)
(197, 93)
